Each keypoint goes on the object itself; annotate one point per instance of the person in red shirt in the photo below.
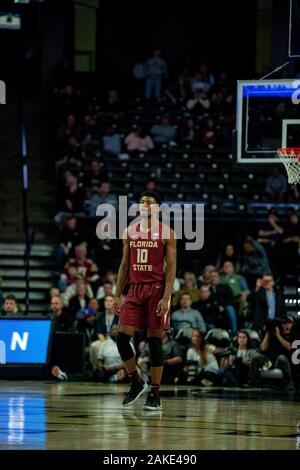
(149, 260)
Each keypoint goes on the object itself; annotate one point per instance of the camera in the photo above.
(271, 325)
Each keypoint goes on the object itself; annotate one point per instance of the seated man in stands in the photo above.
(238, 286)
(208, 306)
(189, 286)
(85, 322)
(61, 317)
(163, 133)
(69, 237)
(268, 302)
(275, 352)
(187, 318)
(105, 321)
(94, 177)
(10, 306)
(224, 297)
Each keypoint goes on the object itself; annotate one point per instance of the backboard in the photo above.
(268, 117)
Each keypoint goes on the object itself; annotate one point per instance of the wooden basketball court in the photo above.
(44, 415)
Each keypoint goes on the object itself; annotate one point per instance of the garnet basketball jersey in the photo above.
(147, 256)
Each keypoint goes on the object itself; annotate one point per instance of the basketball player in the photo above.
(149, 258)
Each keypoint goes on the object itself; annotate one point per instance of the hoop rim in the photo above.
(289, 152)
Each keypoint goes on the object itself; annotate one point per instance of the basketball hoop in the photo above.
(290, 157)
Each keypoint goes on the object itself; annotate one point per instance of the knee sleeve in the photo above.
(155, 346)
(124, 346)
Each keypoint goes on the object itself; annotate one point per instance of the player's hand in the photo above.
(162, 307)
(116, 307)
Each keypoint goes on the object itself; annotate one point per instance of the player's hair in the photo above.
(152, 194)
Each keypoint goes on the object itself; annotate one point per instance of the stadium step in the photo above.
(12, 272)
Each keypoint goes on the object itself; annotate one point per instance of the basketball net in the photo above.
(290, 157)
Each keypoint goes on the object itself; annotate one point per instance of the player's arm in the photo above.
(170, 256)
(122, 275)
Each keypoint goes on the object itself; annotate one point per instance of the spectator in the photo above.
(138, 73)
(94, 177)
(269, 303)
(198, 84)
(179, 90)
(72, 158)
(10, 306)
(238, 286)
(207, 77)
(138, 141)
(228, 254)
(172, 358)
(105, 321)
(224, 297)
(254, 261)
(69, 237)
(104, 196)
(189, 287)
(72, 198)
(163, 133)
(236, 366)
(275, 351)
(210, 135)
(68, 129)
(295, 191)
(112, 144)
(73, 288)
(79, 301)
(187, 318)
(106, 318)
(108, 288)
(155, 71)
(204, 279)
(208, 306)
(84, 266)
(86, 323)
(276, 186)
(89, 132)
(202, 366)
(68, 100)
(151, 185)
(292, 232)
(219, 108)
(198, 104)
(112, 103)
(189, 134)
(61, 317)
(271, 232)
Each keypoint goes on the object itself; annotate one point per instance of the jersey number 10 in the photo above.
(142, 255)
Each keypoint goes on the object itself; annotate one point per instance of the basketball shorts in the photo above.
(139, 308)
